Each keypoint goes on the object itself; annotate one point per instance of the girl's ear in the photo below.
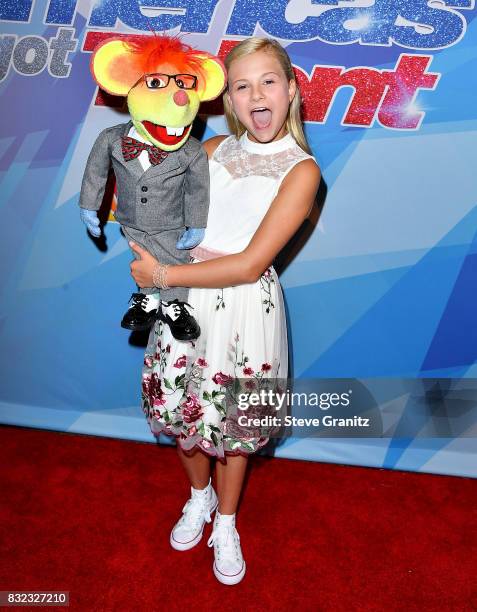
(113, 67)
(291, 89)
(212, 81)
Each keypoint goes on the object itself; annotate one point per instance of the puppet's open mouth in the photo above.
(166, 135)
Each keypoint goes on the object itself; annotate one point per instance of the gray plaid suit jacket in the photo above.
(155, 206)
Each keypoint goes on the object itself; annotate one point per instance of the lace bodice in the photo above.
(244, 179)
(242, 158)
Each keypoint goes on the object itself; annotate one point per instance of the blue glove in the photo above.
(90, 219)
(190, 238)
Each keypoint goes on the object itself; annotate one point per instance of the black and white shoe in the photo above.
(182, 324)
(141, 313)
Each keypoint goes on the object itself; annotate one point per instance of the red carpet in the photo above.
(92, 516)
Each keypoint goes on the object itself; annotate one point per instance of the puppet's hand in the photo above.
(190, 238)
(90, 219)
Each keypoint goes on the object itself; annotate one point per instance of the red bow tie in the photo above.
(132, 148)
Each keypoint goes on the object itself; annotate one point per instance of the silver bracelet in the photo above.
(159, 276)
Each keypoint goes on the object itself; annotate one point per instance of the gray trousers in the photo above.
(162, 246)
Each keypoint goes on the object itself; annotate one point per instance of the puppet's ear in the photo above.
(113, 67)
(215, 77)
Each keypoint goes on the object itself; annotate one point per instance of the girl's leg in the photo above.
(197, 467)
(188, 530)
(229, 565)
(229, 482)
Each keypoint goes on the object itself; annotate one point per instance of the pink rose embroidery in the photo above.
(248, 371)
(151, 387)
(191, 409)
(222, 379)
(181, 362)
(266, 367)
(206, 444)
(201, 362)
(148, 361)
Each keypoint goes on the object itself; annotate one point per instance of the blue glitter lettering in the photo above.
(15, 10)
(270, 15)
(373, 25)
(61, 12)
(370, 25)
(194, 15)
(447, 26)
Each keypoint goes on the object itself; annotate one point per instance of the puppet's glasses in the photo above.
(158, 80)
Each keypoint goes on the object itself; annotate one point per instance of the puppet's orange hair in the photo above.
(149, 52)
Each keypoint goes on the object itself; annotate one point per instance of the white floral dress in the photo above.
(243, 328)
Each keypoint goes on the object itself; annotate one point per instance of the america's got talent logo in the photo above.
(385, 97)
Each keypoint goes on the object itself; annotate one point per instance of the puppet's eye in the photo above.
(186, 81)
(155, 82)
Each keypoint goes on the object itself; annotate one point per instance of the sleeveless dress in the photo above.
(243, 341)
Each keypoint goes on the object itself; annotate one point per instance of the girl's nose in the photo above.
(257, 93)
(181, 98)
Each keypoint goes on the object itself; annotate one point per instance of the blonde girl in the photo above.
(263, 182)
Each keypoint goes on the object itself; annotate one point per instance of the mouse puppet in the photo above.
(161, 172)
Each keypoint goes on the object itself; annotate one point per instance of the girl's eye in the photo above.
(241, 87)
(269, 81)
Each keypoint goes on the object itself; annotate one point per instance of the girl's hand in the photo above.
(142, 269)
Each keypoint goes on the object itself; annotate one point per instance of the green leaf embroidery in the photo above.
(248, 446)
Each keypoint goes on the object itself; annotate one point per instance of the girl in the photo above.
(263, 183)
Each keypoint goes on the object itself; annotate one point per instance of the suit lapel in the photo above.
(133, 165)
(171, 162)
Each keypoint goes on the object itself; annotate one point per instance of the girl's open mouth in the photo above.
(261, 118)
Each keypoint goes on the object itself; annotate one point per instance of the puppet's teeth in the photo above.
(175, 131)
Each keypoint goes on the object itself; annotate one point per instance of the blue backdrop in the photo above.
(384, 286)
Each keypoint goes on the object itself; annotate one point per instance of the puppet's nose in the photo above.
(181, 98)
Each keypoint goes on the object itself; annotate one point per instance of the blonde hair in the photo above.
(294, 123)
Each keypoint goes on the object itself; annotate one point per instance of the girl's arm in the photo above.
(287, 212)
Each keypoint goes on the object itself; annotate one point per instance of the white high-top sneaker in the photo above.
(187, 532)
(229, 565)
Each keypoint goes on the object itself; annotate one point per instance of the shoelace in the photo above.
(227, 539)
(180, 308)
(139, 299)
(195, 510)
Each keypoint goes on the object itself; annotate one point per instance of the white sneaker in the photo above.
(187, 532)
(229, 565)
